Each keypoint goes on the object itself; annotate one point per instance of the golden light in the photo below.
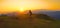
(21, 9)
(23, 5)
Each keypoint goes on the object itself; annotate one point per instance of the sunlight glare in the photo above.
(21, 10)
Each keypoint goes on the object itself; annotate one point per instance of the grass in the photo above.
(25, 21)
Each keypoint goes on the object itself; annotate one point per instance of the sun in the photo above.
(21, 9)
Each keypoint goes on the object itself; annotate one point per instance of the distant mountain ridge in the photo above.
(54, 14)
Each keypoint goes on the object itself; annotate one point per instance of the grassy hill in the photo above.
(26, 21)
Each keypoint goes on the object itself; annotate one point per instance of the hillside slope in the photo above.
(26, 21)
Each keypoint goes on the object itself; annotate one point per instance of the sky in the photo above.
(14, 5)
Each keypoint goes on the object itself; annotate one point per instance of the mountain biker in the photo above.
(30, 12)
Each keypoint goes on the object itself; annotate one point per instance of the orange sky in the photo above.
(13, 5)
